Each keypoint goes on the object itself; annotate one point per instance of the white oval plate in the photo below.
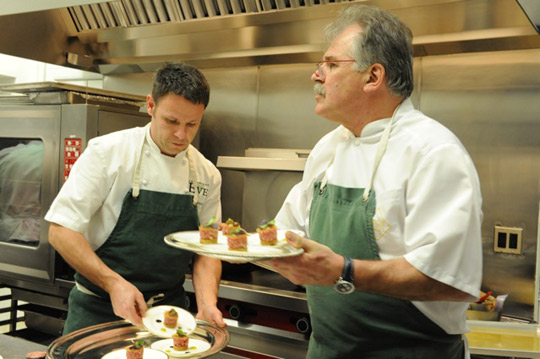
(154, 318)
(190, 240)
(195, 346)
(148, 354)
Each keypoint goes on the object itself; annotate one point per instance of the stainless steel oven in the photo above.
(42, 133)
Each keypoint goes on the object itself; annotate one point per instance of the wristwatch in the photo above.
(345, 283)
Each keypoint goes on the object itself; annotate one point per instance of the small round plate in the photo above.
(153, 321)
(147, 354)
(196, 346)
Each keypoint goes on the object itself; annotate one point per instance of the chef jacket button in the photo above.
(147, 153)
(357, 142)
(145, 182)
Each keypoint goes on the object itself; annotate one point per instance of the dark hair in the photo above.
(181, 79)
(384, 39)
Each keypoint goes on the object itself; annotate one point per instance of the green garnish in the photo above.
(180, 332)
(139, 344)
(210, 222)
(267, 224)
(231, 222)
(238, 231)
(173, 313)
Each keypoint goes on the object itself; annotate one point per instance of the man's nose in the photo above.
(180, 132)
(316, 76)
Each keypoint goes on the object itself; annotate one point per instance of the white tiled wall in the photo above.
(5, 316)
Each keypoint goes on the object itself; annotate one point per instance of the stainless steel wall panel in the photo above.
(286, 117)
(490, 101)
(229, 125)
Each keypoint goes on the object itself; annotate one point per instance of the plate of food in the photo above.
(190, 348)
(236, 244)
(164, 320)
(147, 353)
(111, 340)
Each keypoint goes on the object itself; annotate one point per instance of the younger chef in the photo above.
(391, 203)
(125, 193)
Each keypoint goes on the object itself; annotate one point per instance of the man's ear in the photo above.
(150, 105)
(376, 75)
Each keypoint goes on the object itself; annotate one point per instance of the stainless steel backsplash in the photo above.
(489, 100)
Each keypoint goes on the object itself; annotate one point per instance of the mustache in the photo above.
(318, 88)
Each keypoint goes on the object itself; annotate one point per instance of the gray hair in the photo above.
(384, 40)
(181, 79)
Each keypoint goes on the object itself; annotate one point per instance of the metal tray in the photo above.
(96, 341)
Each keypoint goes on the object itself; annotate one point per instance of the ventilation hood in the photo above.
(114, 37)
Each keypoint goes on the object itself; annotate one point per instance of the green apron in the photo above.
(136, 250)
(361, 324)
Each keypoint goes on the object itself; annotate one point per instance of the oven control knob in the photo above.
(303, 325)
(235, 311)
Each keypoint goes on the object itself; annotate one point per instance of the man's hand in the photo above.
(318, 265)
(128, 302)
(212, 315)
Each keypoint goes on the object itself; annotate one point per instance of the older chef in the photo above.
(125, 193)
(391, 203)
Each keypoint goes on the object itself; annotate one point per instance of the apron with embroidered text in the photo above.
(136, 250)
(361, 324)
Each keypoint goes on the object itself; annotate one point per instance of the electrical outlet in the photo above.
(507, 239)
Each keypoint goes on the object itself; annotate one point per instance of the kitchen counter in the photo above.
(504, 339)
(17, 348)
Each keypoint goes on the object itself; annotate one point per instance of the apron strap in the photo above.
(381, 148)
(136, 183)
(193, 176)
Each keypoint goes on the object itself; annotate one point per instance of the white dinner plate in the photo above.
(154, 318)
(148, 354)
(196, 346)
(190, 240)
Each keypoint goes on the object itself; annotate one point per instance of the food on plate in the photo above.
(237, 239)
(267, 233)
(135, 350)
(486, 300)
(228, 226)
(170, 318)
(180, 340)
(209, 231)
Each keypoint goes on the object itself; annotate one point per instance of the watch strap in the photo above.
(348, 270)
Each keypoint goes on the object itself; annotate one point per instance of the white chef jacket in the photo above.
(428, 201)
(91, 199)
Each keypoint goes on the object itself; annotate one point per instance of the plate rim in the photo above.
(165, 307)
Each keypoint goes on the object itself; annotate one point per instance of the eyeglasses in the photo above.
(330, 64)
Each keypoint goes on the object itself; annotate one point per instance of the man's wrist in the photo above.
(345, 283)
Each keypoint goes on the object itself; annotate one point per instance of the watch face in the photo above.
(344, 287)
